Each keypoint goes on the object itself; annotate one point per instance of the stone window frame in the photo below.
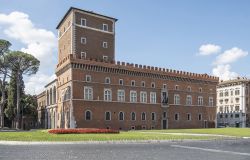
(88, 97)
(176, 116)
(88, 78)
(104, 44)
(105, 27)
(107, 94)
(200, 101)
(143, 97)
(83, 20)
(189, 100)
(177, 99)
(119, 116)
(133, 99)
(153, 99)
(132, 116)
(83, 40)
(153, 118)
(110, 116)
(119, 99)
(143, 116)
(189, 117)
(90, 117)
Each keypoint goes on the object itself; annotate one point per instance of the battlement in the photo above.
(136, 67)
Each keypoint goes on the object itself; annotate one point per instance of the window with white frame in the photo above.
(121, 116)
(83, 55)
(88, 93)
(153, 116)
(133, 83)
(153, 97)
(105, 58)
(105, 27)
(83, 22)
(176, 87)
(189, 89)
(107, 95)
(143, 97)
(133, 116)
(153, 84)
(164, 86)
(237, 92)
(88, 78)
(121, 96)
(189, 100)
(133, 96)
(143, 116)
(108, 116)
(105, 44)
(189, 116)
(83, 40)
(177, 99)
(107, 80)
(120, 81)
(211, 101)
(200, 90)
(143, 84)
(200, 101)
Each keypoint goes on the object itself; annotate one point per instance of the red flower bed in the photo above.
(82, 131)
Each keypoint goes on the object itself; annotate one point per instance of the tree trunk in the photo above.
(3, 100)
(18, 126)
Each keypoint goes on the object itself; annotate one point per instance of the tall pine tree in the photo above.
(11, 110)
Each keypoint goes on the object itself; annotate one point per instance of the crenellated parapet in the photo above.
(124, 67)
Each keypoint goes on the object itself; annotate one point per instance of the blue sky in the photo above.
(160, 33)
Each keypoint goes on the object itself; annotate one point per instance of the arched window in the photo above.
(54, 94)
(67, 94)
(50, 96)
(107, 116)
(153, 116)
(143, 116)
(88, 115)
(121, 116)
(133, 116)
(47, 97)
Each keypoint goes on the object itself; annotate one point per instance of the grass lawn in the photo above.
(238, 132)
(43, 135)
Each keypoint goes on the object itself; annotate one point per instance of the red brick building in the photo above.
(93, 90)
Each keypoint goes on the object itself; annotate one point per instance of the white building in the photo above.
(233, 98)
(51, 105)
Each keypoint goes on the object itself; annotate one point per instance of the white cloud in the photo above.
(39, 42)
(35, 84)
(208, 49)
(224, 72)
(230, 56)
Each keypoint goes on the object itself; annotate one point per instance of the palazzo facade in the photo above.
(96, 91)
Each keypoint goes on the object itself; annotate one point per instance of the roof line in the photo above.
(90, 12)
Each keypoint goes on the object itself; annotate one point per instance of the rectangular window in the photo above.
(105, 58)
(143, 97)
(176, 116)
(133, 96)
(177, 99)
(200, 101)
(105, 44)
(237, 92)
(83, 22)
(164, 98)
(189, 116)
(189, 100)
(132, 83)
(88, 93)
(199, 116)
(105, 27)
(107, 95)
(83, 40)
(121, 96)
(221, 94)
(88, 78)
(153, 97)
(83, 55)
(211, 101)
(153, 116)
(120, 81)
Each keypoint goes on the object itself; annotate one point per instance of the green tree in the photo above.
(4, 70)
(22, 64)
(10, 110)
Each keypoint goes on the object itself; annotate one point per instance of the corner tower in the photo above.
(86, 35)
